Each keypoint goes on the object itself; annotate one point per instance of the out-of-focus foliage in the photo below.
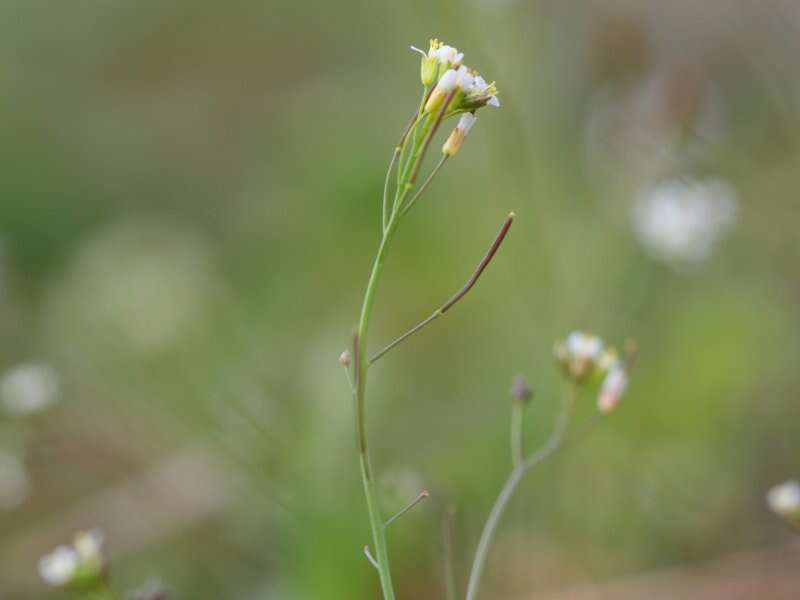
(190, 201)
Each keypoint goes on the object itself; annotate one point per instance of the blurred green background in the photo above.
(190, 205)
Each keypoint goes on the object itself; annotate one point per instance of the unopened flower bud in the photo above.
(520, 390)
(429, 67)
(612, 388)
(457, 136)
(784, 500)
(446, 84)
(345, 358)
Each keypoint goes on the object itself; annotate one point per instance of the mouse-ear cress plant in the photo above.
(451, 89)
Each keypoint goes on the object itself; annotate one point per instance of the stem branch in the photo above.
(419, 498)
(487, 258)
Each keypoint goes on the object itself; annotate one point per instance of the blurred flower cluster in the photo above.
(77, 566)
(25, 390)
(584, 357)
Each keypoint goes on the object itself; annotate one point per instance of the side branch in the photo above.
(487, 258)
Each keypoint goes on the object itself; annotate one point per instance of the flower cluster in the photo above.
(456, 89)
(77, 566)
(583, 357)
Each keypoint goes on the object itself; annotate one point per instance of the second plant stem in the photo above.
(520, 469)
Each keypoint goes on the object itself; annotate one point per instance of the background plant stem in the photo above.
(553, 443)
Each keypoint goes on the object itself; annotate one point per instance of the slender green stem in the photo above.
(398, 149)
(362, 366)
(430, 130)
(411, 132)
(424, 185)
(554, 442)
(385, 204)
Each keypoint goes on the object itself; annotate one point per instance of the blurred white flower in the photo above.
(583, 346)
(59, 567)
(578, 355)
(784, 499)
(82, 560)
(681, 221)
(29, 388)
(14, 481)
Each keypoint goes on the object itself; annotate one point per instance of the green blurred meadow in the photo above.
(190, 205)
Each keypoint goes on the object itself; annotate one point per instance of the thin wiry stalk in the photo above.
(449, 558)
(554, 442)
(424, 185)
(419, 498)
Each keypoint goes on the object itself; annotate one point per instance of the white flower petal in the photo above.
(466, 122)
(58, 567)
(784, 499)
(29, 388)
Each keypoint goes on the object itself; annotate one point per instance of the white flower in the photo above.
(784, 499)
(582, 346)
(14, 481)
(680, 222)
(58, 567)
(464, 79)
(29, 388)
(480, 88)
(448, 55)
(612, 388)
(447, 83)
